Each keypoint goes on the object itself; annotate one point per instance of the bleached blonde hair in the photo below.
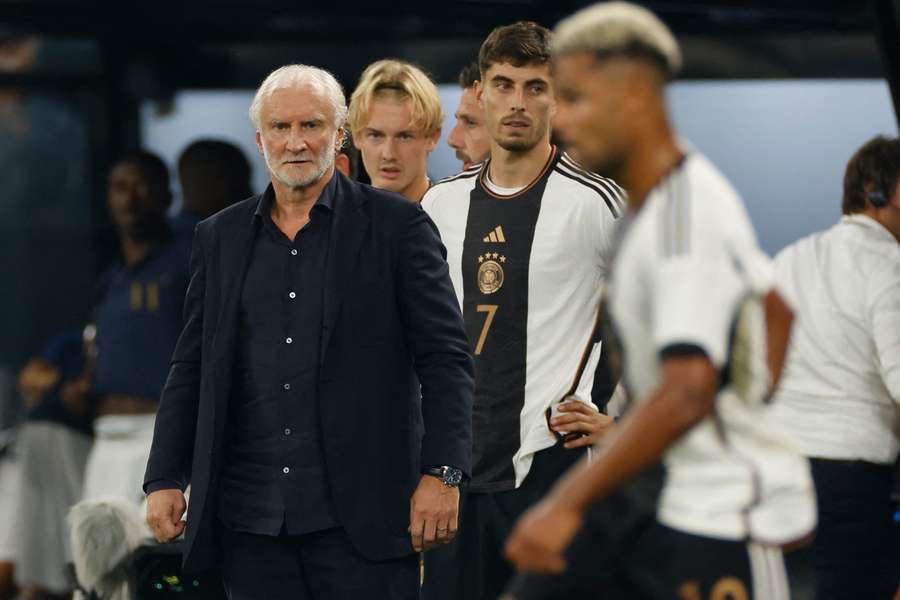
(405, 82)
(619, 29)
(298, 76)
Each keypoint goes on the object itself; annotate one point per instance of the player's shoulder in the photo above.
(463, 179)
(451, 189)
(581, 183)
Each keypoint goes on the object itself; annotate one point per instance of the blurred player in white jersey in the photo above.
(702, 333)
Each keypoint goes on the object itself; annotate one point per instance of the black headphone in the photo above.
(877, 198)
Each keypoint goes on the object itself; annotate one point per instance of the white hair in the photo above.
(298, 76)
(618, 29)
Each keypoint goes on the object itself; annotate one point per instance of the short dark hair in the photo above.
(874, 167)
(469, 75)
(153, 167)
(522, 43)
(207, 159)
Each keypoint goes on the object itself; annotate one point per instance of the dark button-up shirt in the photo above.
(274, 477)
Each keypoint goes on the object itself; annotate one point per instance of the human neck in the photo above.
(650, 159)
(294, 203)
(135, 250)
(416, 190)
(882, 216)
(518, 169)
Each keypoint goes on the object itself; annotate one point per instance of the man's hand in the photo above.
(36, 378)
(164, 511)
(433, 513)
(579, 416)
(541, 536)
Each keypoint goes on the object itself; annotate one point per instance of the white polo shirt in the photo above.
(689, 276)
(841, 385)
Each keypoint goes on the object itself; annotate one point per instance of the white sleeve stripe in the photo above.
(608, 184)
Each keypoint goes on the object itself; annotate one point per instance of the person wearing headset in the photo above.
(840, 389)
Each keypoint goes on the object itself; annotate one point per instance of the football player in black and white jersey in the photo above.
(528, 236)
(703, 335)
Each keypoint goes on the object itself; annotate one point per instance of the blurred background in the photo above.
(777, 93)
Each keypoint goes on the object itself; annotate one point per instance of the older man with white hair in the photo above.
(319, 398)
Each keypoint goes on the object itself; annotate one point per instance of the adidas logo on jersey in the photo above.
(495, 236)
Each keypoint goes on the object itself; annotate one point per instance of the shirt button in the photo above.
(289, 341)
(285, 470)
(292, 295)
(287, 431)
(287, 386)
(293, 252)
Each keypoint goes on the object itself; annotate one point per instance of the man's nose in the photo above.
(296, 141)
(455, 140)
(388, 149)
(518, 99)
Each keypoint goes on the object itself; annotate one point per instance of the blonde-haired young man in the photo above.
(395, 118)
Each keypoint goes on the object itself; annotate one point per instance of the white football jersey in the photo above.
(689, 277)
(527, 269)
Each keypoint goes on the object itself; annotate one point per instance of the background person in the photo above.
(395, 118)
(469, 137)
(841, 386)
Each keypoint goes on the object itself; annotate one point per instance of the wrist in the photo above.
(449, 476)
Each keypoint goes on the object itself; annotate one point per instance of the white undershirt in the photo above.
(501, 191)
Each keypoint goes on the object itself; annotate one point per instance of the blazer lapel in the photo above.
(236, 247)
(347, 234)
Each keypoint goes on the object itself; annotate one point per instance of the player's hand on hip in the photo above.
(433, 513)
(575, 415)
(541, 535)
(164, 511)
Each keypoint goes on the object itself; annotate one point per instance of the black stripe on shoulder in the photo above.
(473, 172)
(610, 204)
(614, 188)
(676, 215)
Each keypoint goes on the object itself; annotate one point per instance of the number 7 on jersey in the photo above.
(491, 310)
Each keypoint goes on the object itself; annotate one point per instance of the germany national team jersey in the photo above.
(689, 277)
(527, 269)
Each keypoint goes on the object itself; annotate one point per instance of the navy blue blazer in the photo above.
(391, 322)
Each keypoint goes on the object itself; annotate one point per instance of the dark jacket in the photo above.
(391, 322)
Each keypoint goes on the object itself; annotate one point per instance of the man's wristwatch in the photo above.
(450, 476)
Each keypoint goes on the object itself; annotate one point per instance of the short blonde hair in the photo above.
(619, 29)
(403, 81)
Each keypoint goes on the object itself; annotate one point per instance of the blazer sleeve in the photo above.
(169, 464)
(437, 338)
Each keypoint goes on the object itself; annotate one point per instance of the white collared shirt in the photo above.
(841, 384)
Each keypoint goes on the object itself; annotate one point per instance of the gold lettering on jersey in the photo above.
(495, 236)
(490, 272)
(153, 296)
(136, 296)
(689, 590)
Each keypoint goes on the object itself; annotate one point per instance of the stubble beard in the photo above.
(326, 162)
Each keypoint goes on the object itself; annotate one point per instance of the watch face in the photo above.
(453, 476)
